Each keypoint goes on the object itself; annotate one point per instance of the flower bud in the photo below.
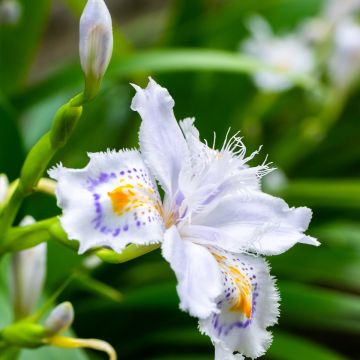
(96, 43)
(4, 185)
(60, 319)
(28, 275)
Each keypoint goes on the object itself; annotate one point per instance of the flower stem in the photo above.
(72, 343)
(39, 157)
(24, 237)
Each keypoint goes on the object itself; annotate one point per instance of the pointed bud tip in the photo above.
(60, 318)
(96, 40)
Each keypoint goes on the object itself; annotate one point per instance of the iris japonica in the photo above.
(289, 55)
(213, 221)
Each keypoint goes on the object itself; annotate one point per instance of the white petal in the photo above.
(28, 275)
(344, 62)
(161, 141)
(221, 353)
(211, 173)
(251, 221)
(112, 202)
(197, 272)
(287, 55)
(247, 282)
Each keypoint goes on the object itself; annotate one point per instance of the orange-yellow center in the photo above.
(243, 302)
(121, 198)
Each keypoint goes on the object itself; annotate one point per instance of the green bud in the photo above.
(64, 123)
(24, 334)
(35, 165)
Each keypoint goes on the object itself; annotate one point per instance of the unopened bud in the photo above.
(96, 43)
(60, 319)
(4, 185)
(28, 275)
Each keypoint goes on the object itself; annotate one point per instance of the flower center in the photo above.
(127, 197)
(243, 301)
(242, 296)
(122, 197)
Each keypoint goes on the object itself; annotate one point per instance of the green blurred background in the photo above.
(190, 47)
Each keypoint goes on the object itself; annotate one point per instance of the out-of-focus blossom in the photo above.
(10, 12)
(4, 186)
(288, 54)
(60, 318)
(27, 276)
(92, 262)
(315, 30)
(344, 63)
(213, 222)
(96, 39)
(336, 10)
(275, 181)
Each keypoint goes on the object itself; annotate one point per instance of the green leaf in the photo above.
(343, 194)
(311, 306)
(5, 305)
(147, 62)
(52, 353)
(11, 149)
(290, 347)
(340, 234)
(309, 264)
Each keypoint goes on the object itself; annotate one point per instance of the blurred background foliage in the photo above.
(189, 46)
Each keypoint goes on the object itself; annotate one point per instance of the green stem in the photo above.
(39, 157)
(9, 353)
(310, 133)
(51, 301)
(97, 287)
(24, 237)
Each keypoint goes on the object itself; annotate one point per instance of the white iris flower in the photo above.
(213, 222)
(344, 62)
(288, 55)
(337, 10)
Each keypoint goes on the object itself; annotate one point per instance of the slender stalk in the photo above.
(39, 157)
(24, 237)
(72, 343)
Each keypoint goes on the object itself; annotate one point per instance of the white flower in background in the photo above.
(275, 181)
(336, 10)
(27, 276)
(96, 39)
(344, 63)
(315, 30)
(287, 54)
(4, 186)
(10, 12)
(213, 222)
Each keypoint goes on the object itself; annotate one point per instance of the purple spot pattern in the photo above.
(141, 217)
(221, 326)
